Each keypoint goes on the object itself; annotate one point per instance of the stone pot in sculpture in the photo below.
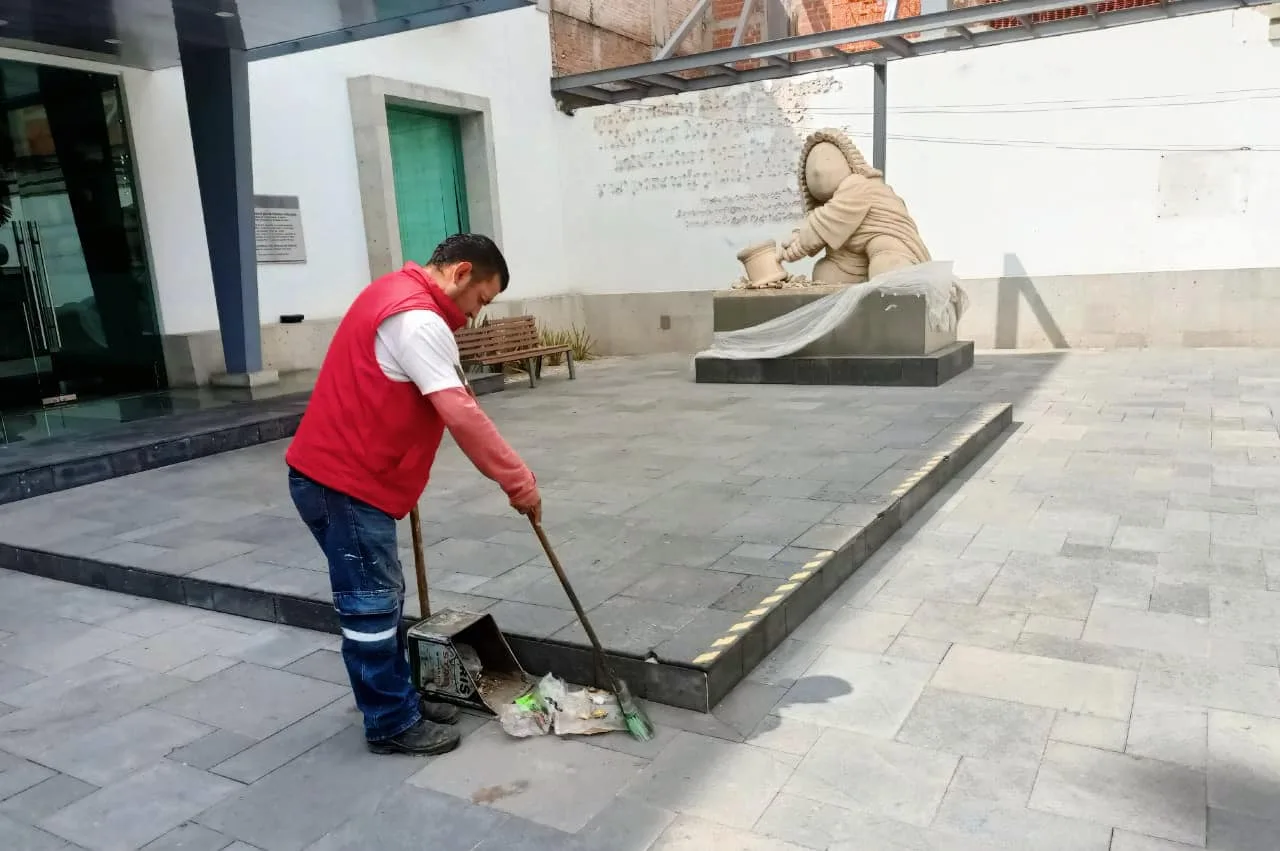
(763, 265)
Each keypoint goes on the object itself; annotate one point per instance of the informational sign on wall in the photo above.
(277, 226)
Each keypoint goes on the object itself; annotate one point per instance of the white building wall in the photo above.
(303, 146)
(1101, 153)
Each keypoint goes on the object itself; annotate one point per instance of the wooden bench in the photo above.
(511, 340)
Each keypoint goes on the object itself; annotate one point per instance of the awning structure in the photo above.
(922, 35)
(142, 33)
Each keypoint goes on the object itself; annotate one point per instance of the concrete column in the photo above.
(215, 71)
(880, 115)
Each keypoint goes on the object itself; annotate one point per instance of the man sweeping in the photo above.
(389, 386)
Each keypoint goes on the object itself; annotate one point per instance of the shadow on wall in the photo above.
(1015, 285)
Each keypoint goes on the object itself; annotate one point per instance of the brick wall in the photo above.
(588, 35)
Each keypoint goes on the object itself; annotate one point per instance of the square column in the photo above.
(215, 71)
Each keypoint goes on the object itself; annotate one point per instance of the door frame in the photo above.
(370, 96)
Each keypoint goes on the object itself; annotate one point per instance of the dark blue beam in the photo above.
(417, 14)
(215, 71)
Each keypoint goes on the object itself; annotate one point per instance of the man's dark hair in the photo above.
(477, 249)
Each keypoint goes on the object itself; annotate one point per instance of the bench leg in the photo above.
(568, 359)
(532, 367)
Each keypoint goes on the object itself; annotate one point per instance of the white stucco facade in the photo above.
(1092, 154)
(1122, 174)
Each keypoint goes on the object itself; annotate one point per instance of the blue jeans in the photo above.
(368, 592)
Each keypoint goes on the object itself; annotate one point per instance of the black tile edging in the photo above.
(74, 473)
(783, 617)
(688, 686)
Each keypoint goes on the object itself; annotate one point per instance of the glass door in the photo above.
(77, 311)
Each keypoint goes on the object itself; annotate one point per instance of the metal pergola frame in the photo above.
(921, 35)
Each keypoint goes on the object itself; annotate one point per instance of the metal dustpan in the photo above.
(463, 658)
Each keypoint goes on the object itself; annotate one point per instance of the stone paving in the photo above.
(676, 507)
(1072, 648)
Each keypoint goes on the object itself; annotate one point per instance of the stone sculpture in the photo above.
(851, 214)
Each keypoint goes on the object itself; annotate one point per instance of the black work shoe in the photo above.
(441, 713)
(426, 738)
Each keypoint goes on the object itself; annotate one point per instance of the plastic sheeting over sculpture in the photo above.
(791, 332)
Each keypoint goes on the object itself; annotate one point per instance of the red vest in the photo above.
(363, 434)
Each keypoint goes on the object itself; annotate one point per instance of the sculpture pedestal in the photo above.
(887, 341)
(931, 370)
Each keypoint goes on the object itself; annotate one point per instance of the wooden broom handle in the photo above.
(419, 563)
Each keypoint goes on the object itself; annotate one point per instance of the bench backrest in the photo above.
(499, 337)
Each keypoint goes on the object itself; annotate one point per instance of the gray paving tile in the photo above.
(973, 625)
(409, 819)
(129, 814)
(530, 620)
(942, 579)
(631, 625)
(208, 751)
(625, 825)
(1169, 733)
(202, 668)
(989, 825)
(324, 665)
(1001, 784)
(851, 629)
(258, 760)
(518, 835)
(890, 779)
(18, 775)
(685, 586)
(814, 824)
(712, 779)
(688, 833)
(46, 798)
(278, 648)
(341, 779)
(557, 783)
(1205, 684)
(1123, 840)
(58, 644)
(1230, 831)
(190, 837)
(251, 700)
(1038, 681)
(114, 750)
(859, 692)
(1142, 795)
(1244, 763)
(976, 726)
(1105, 734)
(177, 647)
(15, 834)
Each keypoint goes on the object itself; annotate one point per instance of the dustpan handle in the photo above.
(419, 563)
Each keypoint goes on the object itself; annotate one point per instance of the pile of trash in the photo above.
(551, 706)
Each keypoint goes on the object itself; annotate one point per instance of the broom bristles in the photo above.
(638, 724)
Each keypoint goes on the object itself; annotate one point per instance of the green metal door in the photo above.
(431, 194)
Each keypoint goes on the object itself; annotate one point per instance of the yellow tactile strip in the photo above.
(965, 432)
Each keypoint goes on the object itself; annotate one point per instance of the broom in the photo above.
(638, 723)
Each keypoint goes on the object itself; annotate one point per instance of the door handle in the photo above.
(28, 278)
(41, 274)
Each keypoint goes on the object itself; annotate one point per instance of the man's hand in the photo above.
(530, 505)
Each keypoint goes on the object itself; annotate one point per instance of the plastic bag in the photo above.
(552, 706)
(580, 711)
(525, 716)
(791, 332)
